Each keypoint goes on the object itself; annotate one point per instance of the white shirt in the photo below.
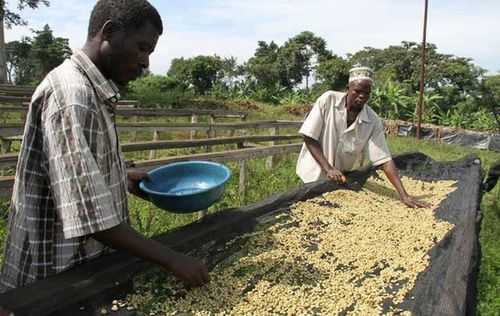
(345, 148)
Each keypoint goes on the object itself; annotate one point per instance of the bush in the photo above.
(162, 91)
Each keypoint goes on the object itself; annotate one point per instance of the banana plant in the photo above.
(390, 101)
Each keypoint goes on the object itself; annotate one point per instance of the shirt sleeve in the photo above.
(82, 199)
(377, 150)
(315, 120)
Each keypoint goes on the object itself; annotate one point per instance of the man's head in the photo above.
(360, 86)
(123, 33)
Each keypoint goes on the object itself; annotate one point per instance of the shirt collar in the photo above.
(106, 89)
(362, 116)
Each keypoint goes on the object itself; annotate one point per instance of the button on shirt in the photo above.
(70, 179)
(344, 147)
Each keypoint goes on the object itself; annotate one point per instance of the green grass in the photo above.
(489, 273)
(261, 183)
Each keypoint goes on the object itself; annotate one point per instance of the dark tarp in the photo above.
(492, 178)
(447, 287)
(489, 141)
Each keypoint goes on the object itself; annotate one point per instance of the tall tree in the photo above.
(451, 76)
(264, 67)
(9, 18)
(19, 66)
(305, 50)
(490, 96)
(201, 72)
(48, 51)
(333, 73)
(30, 59)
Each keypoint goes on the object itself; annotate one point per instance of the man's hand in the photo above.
(133, 179)
(336, 175)
(191, 271)
(414, 203)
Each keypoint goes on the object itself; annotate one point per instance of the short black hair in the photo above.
(126, 13)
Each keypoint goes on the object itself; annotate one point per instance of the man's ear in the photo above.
(108, 30)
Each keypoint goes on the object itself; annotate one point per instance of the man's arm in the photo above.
(317, 152)
(124, 237)
(134, 177)
(392, 174)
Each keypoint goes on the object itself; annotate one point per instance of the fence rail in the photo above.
(10, 160)
(150, 112)
(15, 129)
(241, 155)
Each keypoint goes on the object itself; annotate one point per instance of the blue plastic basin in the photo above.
(185, 187)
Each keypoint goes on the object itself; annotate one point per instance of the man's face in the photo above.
(359, 93)
(127, 55)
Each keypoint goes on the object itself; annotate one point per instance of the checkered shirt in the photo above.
(71, 177)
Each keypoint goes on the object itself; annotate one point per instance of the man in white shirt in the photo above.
(341, 131)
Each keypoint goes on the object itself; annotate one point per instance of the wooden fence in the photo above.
(151, 112)
(11, 132)
(239, 155)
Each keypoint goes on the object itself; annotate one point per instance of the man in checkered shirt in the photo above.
(69, 202)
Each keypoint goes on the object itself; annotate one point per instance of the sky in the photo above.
(466, 28)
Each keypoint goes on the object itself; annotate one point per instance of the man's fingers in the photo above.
(423, 204)
(409, 203)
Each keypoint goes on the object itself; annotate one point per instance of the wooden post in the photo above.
(202, 214)
(134, 133)
(422, 73)
(275, 131)
(194, 119)
(156, 137)
(211, 133)
(5, 144)
(243, 181)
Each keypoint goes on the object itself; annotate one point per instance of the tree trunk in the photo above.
(3, 57)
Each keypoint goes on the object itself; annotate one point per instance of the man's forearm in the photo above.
(315, 149)
(392, 174)
(124, 237)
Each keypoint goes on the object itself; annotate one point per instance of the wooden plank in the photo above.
(8, 161)
(179, 112)
(169, 144)
(128, 112)
(126, 104)
(6, 183)
(14, 99)
(14, 129)
(224, 156)
(7, 130)
(13, 109)
(18, 87)
(16, 93)
(205, 126)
